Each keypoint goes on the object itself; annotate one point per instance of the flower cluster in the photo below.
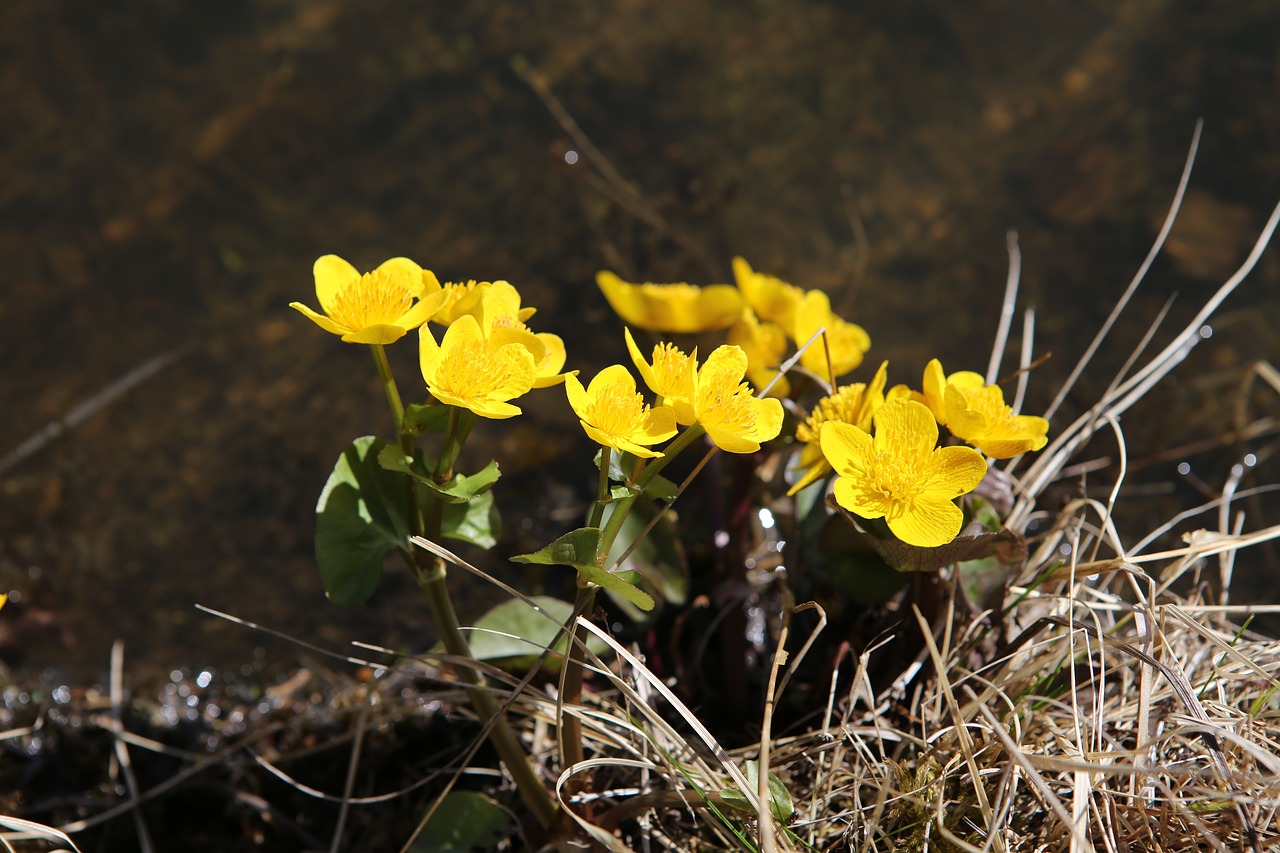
(487, 356)
(763, 314)
(883, 448)
(712, 396)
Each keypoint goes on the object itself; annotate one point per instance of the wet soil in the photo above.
(171, 170)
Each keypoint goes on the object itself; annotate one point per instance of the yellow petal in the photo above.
(403, 267)
(428, 353)
(847, 448)
(859, 500)
(382, 333)
(671, 307)
(846, 342)
(954, 471)
(906, 429)
(319, 319)
(925, 524)
(935, 388)
(332, 274)
(552, 360)
(770, 297)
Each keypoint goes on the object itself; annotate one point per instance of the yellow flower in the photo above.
(465, 369)
(671, 376)
(614, 414)
(900, 475)
(765, 343)
(378, 307)
(854, 404)
(497, 308)
(846, 341)
(979, 416)
(671, 307)
(935, 387)
(771, 298)
(735, 419)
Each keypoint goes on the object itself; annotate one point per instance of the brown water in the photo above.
(169, 171)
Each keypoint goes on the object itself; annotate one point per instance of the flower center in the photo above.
(470, 370)
(670, 371)
(727, 404)
(896, 477)
(617, 412)
(378, 297)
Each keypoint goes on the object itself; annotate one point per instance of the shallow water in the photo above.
(172, 170)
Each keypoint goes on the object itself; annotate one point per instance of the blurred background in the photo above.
(169, 171)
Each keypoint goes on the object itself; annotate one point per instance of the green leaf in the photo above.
(780, 804)
(359, 518)
(461, 488)
(577, 548)
(476, 521)
(464, 821)
(419, 419)
(530, 633)
(659, 558)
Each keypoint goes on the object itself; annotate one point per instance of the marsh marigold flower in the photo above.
(979, 416)
(671, 307)
(854, 404)
(900, 474)
(378, 307)
(614, 413)
(976, 413)
(847, 342)
(736, 420)
(497, 308)
(671, 375)
(473, 372)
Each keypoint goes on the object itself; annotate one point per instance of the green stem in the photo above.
(432, 578)
(571, 751)
(390, 389)
(620, 512)
(602, 491)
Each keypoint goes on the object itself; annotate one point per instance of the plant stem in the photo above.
(571, 751)
(431, 576)
(392, 392)
(602, 491)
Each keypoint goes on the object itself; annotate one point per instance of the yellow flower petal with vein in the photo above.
(900, 475)
(614, 413)
(671, 307)
(735, 419)
(378, 307)
(671, 376)
(467, 370)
